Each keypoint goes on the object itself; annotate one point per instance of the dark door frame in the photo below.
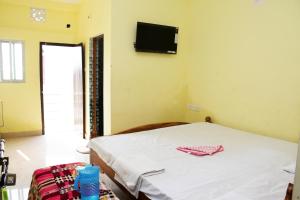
(42, 77)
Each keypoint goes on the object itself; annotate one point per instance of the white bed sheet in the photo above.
(250, 168)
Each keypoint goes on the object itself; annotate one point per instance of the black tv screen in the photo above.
(156, 38)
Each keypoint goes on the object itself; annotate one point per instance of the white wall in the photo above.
(296, 193)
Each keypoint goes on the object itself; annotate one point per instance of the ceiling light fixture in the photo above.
(38, 14)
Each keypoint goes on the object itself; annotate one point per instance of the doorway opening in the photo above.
(62, 88)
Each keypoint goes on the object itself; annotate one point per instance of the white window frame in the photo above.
(23, 62)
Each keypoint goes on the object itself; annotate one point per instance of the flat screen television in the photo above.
(156, 38)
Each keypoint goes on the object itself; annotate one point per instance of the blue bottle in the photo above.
(88, 178)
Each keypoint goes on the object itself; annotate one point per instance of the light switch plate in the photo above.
(258, 1)
(193, 107)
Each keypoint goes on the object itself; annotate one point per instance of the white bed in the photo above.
(250, 168)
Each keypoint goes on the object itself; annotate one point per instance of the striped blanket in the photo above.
(56, 183)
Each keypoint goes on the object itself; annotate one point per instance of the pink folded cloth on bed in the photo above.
(201, 150)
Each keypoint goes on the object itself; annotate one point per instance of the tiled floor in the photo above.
(29, 153)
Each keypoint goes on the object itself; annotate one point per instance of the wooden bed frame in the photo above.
(96, 160)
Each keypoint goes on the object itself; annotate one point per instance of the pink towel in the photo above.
(201, 150)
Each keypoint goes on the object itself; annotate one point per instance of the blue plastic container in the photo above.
(88, 179)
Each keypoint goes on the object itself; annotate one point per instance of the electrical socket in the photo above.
(193, 107)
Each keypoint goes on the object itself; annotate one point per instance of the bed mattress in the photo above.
(250, 168)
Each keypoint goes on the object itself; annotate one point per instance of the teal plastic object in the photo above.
(87, 182)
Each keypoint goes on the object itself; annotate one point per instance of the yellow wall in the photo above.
(244, 67)
(146, 87)
(236, 59)
(22, 110)
(94, 20)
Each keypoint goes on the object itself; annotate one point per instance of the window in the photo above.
(11, 61)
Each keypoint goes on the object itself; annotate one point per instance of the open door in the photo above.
(62, 87)
(96, 86)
